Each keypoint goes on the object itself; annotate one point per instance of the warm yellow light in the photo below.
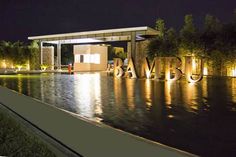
(148, 93)
(4, 65)
(148, 74)
(234, 72)
(205, 72)
(168, 92)
(170, 116)
(19, 67)
(43, 67)
(194, 65)
(194, 107)
(27, 66)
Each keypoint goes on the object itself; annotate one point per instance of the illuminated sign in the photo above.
(171, 65)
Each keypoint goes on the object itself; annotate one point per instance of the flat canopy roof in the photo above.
(108, 35)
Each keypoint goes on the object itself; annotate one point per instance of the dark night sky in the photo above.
(23, 18)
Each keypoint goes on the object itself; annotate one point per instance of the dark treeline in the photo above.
(15, 54)
(216, 42)
(19, 54)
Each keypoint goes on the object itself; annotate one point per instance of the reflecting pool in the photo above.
(199, 118)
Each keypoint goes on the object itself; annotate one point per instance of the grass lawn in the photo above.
(14, 141)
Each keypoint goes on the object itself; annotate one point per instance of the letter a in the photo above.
(131, 70)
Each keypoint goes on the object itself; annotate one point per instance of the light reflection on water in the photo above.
(187, 116)
(87, 94)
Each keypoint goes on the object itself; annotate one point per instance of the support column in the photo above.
(59, 55)
(133, 45)
(41, 52)
(128, 50)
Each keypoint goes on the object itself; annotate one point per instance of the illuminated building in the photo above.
(134, 36)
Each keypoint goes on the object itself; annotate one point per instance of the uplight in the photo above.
(234, 72)
(4, 64)
(205, 72)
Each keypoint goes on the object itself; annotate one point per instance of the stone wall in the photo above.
(48, 57)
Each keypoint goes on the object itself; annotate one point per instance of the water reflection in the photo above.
(174, 113)
(167, 92)
(87, 94)
(130, 91)
(42, 89)
(118, 90)
(148, 93)
(204, 89)
(19, 84)
(28, 87)
(191, 96)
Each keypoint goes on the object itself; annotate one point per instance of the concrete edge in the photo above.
(57, 148)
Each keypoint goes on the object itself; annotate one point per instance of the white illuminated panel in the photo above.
(205, 72)
(77, 58)
(234, 72)
(87, 58)
(95, 58)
